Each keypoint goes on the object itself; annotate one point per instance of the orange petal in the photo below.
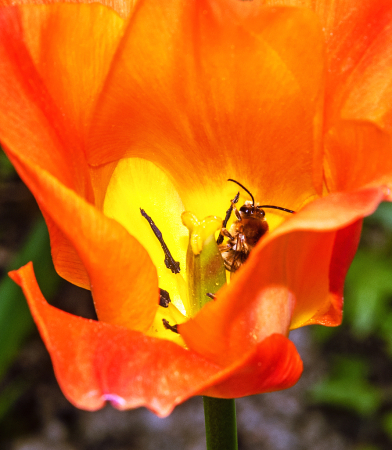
(65, 257)
(207, 94)
(95, 362)
(358, 153)
(329, 220)
(73, 73)
(31, 124)
(34, 130)
(122, 277)
(351, 29)
(343, 252)
(354, 32)
(294, 275)
(358, 93)
(122, 7)
(358, 114)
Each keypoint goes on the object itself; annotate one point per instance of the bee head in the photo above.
(249, 210)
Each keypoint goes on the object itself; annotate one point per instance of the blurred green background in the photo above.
(360, 351)
(353, 393)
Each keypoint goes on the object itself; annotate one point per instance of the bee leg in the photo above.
(227, 217)
(164, 298)
(226, 232)
(223, 232)
(225, 248)
(209, 294)
(236, 212)
(229, 266)
(169, 327)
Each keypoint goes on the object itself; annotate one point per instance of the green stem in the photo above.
(221, 425)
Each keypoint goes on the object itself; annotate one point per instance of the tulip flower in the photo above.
(109, 108)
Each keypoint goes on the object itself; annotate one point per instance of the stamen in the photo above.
(227, 218)
(164, 298)
(212, 296)
(174, 266)
(169, 327)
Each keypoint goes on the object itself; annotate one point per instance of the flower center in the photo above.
(190, 266)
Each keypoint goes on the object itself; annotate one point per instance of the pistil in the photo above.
(205, 269)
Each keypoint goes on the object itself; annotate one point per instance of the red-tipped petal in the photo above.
(96, 362)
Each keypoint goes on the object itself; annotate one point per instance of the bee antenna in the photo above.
(244, 188)
(277, 207)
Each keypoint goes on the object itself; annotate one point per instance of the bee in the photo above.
(245, 232)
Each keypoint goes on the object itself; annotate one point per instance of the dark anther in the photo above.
(213, 296)
(174, 266)
(228, 214)
(167, 325)
(164, 298)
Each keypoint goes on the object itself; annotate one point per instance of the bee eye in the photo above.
(245, 209)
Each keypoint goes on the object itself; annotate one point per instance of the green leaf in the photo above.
(387, 424)
(348, 388)
(11, 393)
(367, 293)
(383, 216)
(6, 168)
(15, 318)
